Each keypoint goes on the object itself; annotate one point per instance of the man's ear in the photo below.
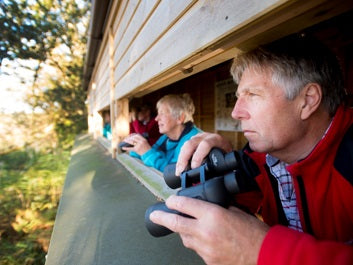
(312, 96)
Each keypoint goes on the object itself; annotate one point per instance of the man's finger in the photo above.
(189, 206)
(174, 222)
(188, 151)
(185, 155)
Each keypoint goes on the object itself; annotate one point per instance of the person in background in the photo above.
(107, 129)
(175, 123)
(145, 124)
(132, 115)
(290, 101)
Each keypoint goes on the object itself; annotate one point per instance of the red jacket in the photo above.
(149, 130)
(324, 188)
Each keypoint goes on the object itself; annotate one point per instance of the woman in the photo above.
(175, 122)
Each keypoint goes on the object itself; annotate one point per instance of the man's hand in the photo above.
(197, 148)
(218, 235)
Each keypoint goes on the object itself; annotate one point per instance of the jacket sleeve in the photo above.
(159, 159)
(155, 158)
(283, 245)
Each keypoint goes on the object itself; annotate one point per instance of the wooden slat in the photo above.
(125, 20)
(163, 18)
(204, 23)
(118, 16)
(138, 21)
(102, 81)
(112, 21)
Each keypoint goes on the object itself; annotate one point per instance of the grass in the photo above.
(30, 188)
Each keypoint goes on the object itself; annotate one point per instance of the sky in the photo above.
(12, 90)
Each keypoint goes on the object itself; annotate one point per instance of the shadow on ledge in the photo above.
(100, 219)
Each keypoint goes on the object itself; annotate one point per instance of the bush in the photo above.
(30, 188)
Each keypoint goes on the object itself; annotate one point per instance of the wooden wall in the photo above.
(148, 47)
(101, 81)
(335, 33)
(154, 36)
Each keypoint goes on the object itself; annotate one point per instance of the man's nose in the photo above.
(239, 111)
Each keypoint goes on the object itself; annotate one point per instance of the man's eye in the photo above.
(250, 94)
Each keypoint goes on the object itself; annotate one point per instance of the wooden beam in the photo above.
(275, 21)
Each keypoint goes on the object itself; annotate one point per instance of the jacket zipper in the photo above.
(304, 205)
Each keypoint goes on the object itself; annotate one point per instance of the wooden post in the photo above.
(122, 127)
(113, 107)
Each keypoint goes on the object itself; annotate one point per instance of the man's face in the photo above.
(270, 122)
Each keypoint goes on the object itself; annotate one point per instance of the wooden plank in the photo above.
(118, 15)
(138, 21)
(102, 83)
(205, 23)
(163, 18)
(102, 86)
(111, 21)
(103, 95)
(105, 60)
(286, 19)
(125, 20)
(112, 103)
(101, 73)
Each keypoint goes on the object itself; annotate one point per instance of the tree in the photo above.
(53, 32)
(28, 31)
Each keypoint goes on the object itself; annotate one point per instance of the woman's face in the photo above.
(166, 122)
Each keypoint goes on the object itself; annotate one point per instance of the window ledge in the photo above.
(105, 142)
(151, 178)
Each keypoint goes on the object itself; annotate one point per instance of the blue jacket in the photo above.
(166, 151)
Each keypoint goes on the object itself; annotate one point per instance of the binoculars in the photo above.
(219, 176)
(125, 144)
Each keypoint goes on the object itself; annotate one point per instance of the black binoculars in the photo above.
(125, 144)
(219, 176)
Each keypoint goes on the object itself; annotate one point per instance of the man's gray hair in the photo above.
(294, 62)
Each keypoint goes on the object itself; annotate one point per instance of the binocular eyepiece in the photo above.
(220, 176)
(216, 164)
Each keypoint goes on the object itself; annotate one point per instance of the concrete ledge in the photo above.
(151, 178)
(100, 218)
(105, 142)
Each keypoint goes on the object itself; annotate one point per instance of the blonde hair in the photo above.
(179, 104)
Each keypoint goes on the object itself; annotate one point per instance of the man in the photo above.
(290, 104)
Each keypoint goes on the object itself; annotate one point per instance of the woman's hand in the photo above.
(139, 144)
